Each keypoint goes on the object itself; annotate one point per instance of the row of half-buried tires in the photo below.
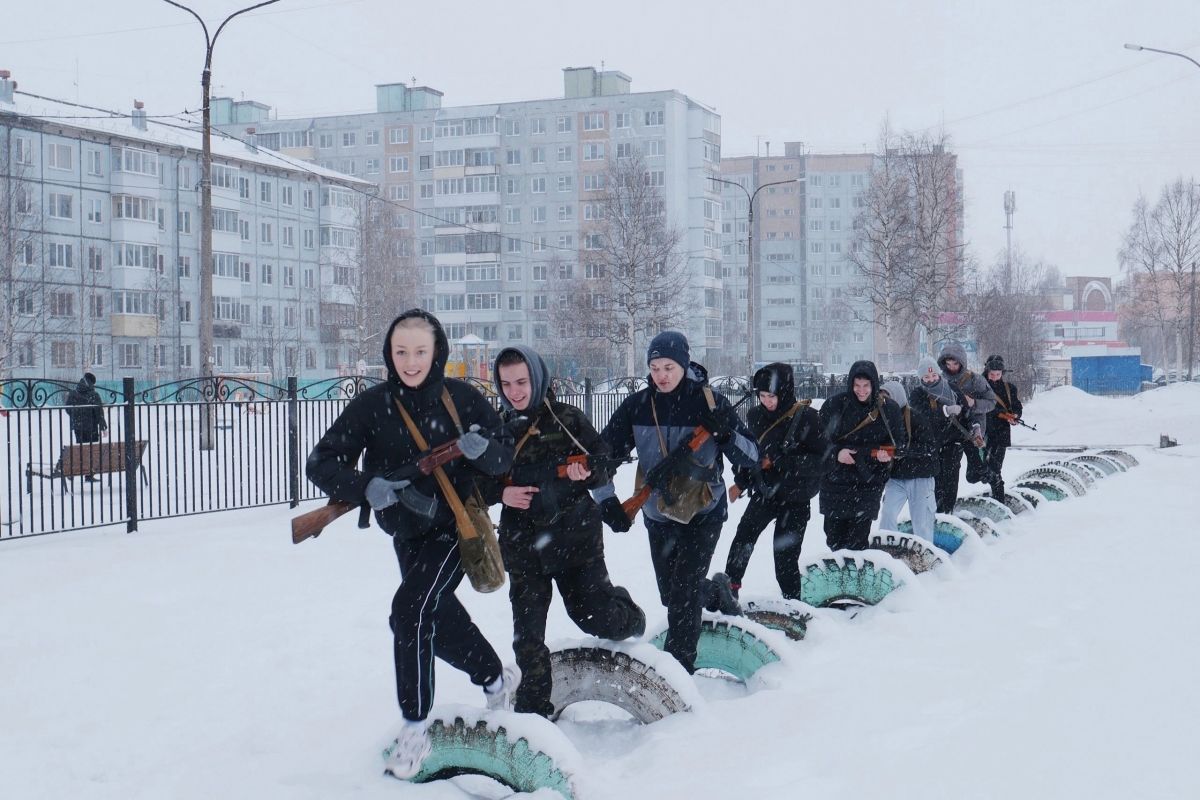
(649, 685)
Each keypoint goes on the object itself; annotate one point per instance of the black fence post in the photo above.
(131, 456)
(587, 397)
(293, 440)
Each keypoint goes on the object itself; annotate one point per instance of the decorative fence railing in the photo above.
(191, 447)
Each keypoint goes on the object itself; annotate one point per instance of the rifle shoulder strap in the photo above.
(874, 415)
(466, 529)
(786, 416)
(908, 423)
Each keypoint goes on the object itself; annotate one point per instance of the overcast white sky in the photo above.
(1038, 95)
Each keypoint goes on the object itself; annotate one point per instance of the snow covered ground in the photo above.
(208, 656)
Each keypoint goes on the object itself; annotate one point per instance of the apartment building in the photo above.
(499, 197)
(802, 231)
(100, 248)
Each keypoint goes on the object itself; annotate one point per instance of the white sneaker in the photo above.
(403, 758)
(504, 697)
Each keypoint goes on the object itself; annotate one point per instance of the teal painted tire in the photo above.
(616, 677)
(843, 579)
(1074, 485)
(1107, 465)
(918, 554)
(486, 748)
(1120, 455)
(1049, 488)
(982, 526)
(727, 646)
(984, 506)
(786, 616)
(949, 532)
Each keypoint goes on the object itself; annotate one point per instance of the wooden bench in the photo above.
(79, 460)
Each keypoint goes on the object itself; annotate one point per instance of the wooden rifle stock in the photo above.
(890, 449)
(310, 524)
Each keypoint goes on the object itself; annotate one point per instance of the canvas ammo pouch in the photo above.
(689, 490)
(478, 546)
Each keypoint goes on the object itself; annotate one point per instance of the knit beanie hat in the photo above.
(926, 364)
(672, 345)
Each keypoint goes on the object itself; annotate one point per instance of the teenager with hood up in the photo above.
(857, 422)
(999, 429)
(915, 464)
(550, 531)
(427, 619)
(977, 400)
(791, 450)
(687, 507)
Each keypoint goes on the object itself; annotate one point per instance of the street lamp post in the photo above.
(1192, 315)
(206, 254)
(752, 334)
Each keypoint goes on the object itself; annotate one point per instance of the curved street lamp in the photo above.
(751, 333)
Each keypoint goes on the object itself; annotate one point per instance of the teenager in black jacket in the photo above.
(857, 422)
(791, 450)
(425, 539)
(999, 429)
(550, 531)
(659, 421)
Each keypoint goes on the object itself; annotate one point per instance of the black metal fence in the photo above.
(194, 446)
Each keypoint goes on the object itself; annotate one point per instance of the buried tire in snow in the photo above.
(483, 743)
(1072, 482)
(918, 554)
(1106, 464)
(1048, 488)
(730, 645)
(984, 506)
(1120, 455)
(634, 677)
(789, 617)
(843, 579)
(949, 532)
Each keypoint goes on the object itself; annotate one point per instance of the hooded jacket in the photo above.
(968, 384)
(370, 426)
(1008, 401)
(86, 410)
(849, 490)
(919, 436)
(562, 527)
(793, 445)
(679, 411)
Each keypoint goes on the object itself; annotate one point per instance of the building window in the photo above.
(60, 156)
(61, 206)
(23, 149)
(565, 153)
(62, 304)
(62, 354)
(398, 164)
(564, 124)
(264, 192)
(654, 118)
(61, 255)
(95, 162)
(623, 119)
(285, 195)
(95, 258)
(593, 121)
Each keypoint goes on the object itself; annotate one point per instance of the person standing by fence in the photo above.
(86, 411)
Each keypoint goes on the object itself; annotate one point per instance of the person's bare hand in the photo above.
(518, 496)
(970, 402)
(845, 456)
(578, 472)
(883, 456)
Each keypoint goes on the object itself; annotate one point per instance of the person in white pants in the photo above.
(915, 462)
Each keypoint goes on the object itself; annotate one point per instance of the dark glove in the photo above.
(614, 516)
(381, 492)
(717, 423)
(472, 443)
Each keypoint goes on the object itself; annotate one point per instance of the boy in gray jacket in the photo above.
(977, 400)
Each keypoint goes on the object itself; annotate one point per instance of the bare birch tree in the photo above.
(1005, 315)
(1160, 247)
(906, 245)
(635, 280)
(385, 280)
(21, 296)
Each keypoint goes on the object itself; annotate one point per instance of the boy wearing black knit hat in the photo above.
(687, 505)
(999, 428)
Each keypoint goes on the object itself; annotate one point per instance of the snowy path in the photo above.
(207, 657)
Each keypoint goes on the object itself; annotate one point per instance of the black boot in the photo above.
(721, 597)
